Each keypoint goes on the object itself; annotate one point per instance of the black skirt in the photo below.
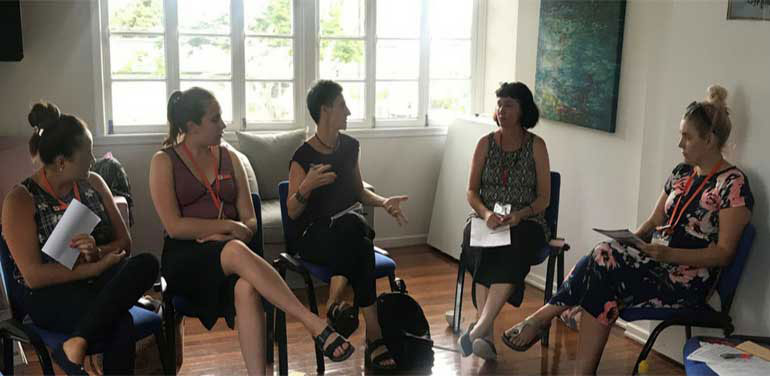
(194, 271)
(508, 264)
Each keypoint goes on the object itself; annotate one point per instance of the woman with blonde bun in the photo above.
(692, 232)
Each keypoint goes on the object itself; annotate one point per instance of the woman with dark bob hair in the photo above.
(91, 301)
(693, 231)
(509, 186)
(202, 197)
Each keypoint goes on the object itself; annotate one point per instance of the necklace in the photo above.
(327, 146)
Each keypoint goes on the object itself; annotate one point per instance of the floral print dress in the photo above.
(613, 277)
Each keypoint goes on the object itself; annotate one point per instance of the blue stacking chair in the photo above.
(384, 266)
(146, 323)
(553, 251)
(704, 316)
(177, 307)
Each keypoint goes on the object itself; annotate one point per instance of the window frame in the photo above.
(306, 45)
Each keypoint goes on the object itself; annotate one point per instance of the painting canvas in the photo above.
(748, 10)
(578, 61)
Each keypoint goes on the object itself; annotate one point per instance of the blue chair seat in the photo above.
(692, 367)
(383, 267)
(146, 323)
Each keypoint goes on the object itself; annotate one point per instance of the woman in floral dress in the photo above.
(693, 231)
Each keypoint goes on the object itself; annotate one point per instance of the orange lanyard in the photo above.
(671, 221)
(202, 175)
(47, 186)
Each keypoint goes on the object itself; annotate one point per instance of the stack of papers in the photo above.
(711, 354)
(483, 236)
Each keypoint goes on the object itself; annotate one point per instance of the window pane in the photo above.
(269, 101)
(204, 57)
(268, 16)
(269, 58)
(341, 18)
(204, 16)
(355, 97)
(398, 59)
(136, 15)
(342, 59)
(137, 57)
(396, 100)
(449, 98)
(398, 18)
(222, 91)
(450, 18)
(139, 103)
(450, 59)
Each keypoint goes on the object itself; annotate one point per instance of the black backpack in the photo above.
(406, 331)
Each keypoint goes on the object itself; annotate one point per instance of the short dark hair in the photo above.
(323, 93)
(520, 92)
(184, 106)
(55, 133)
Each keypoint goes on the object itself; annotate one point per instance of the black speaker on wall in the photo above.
(10, 31)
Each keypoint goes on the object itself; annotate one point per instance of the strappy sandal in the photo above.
(328, 351)
(70, 368)
(376, 364)
(516, 330)
(343, 318)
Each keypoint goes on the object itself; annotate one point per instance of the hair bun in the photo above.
(717, 95)
(43, 115)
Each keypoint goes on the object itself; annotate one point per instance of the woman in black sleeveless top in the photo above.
(324, 181)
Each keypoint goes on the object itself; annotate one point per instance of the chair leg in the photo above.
(560, 270)
(459, 287)
(280, 331)
(648, 345)
(392, 281)
(169, 368)
(319, 356)
(170, 327)
(548, 293)
(7, 356)
(44, 358)
(269, 331)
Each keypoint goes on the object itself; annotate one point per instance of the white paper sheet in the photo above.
(625, 237)
(77, 219)
(483, 236)
(711, 354)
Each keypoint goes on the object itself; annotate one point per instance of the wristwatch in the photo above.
(301, 199)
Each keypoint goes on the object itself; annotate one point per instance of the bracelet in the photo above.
(301, 199)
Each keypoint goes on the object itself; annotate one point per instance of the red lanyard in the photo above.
(47, 186)
(671, 221)
(202, 175)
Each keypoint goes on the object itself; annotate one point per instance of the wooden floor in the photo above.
(430, 278)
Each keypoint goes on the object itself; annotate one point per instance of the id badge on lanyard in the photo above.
(502, 209)
(662, 236)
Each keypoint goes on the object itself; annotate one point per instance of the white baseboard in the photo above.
(401, 241)
(637, 333)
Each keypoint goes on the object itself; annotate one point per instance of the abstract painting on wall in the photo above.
(748, 10)
(578, 61)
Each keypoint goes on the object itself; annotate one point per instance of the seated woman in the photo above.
(91, 301)
(510, 168)
(325, 179)
(694, 230)
(202, 197)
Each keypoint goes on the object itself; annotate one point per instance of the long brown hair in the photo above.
(183, 107)
(55, 134)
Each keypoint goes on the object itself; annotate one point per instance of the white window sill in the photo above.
(360, 133)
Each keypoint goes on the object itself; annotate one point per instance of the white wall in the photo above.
(672, 51)
(59, 66)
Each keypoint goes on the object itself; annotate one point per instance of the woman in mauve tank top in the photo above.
(201, 195)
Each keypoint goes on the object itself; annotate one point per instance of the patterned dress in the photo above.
(613, 277)
(507, 178)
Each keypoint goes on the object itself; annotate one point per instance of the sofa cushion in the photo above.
(251, 177)
(272, 227)
(269, 156)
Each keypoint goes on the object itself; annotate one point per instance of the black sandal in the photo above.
(343, 318)
(376, 364)
(70, 368)
(328, 351)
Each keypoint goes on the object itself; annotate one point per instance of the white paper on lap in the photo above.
(77, 219)
(483, 236)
